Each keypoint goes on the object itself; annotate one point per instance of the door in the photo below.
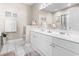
(34, 38)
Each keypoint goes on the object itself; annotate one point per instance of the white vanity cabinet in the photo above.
(53, 46)
(68, 45)
(42, 43)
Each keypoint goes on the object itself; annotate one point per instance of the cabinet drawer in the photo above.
(46, 37)
(72, 46)
(43, 36)
(45, 47)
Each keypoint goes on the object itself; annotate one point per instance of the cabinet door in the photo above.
(42, 44)
(70, 45)
(60, 51)
(45, 47)
(34, 38)
(35, 43)
(45, 43)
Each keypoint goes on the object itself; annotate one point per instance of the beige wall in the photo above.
(37, 14)
(24, 16)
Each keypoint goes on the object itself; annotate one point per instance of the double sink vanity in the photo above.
(54, 43)
(63, 39)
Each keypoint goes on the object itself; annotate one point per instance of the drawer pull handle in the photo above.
(53, 45)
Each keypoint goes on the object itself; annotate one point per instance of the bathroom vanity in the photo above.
(55, 44)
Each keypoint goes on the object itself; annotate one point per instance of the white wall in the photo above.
(22, 10)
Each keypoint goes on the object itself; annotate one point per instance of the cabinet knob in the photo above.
(53, 45)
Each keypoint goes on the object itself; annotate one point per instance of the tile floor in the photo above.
(17, 46)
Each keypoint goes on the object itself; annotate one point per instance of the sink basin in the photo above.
(63, 33)
(49, 31)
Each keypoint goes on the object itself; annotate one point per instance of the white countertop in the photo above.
(71, 37)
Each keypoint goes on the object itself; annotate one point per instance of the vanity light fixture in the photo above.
(44, 5)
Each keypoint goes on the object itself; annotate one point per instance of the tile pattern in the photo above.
(14, 45)
(19, 47)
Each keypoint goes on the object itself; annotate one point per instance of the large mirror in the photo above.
(66, 15)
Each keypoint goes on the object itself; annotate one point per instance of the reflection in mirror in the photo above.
(64, 21)
(61, 22)
(58, 22)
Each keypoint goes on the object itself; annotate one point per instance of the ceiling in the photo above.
(57, 6)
